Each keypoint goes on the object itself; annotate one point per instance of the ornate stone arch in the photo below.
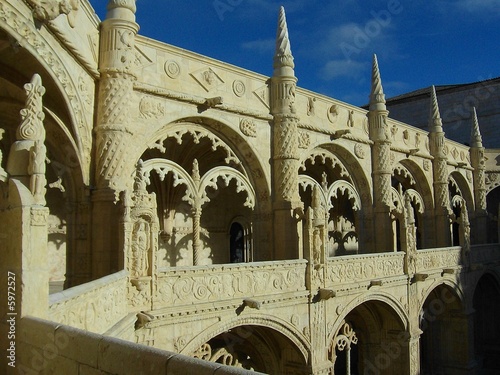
(239, 153)
(373, 318)
(457, 179)
(383, 297)
(209, 180)
(78, 109)
(422, 185)
(455, 286)
(342, 187)
(350, 165)
(300, 343)
(492, 273)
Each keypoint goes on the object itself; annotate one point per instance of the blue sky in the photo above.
(418, 43)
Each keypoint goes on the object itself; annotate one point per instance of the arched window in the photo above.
(237, 243)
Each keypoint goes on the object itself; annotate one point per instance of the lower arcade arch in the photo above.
(445, 331)
(254, 347)
(486, 305)
(370, 339)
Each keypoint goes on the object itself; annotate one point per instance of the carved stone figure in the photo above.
(48, 10)
(36, 169)
(140, 249)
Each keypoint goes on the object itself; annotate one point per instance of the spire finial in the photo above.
(283, 55)
(377, 97)
(435, 122)
(475, 138)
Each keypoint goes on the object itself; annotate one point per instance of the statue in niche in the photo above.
(411, 240)
(465, 224)
(140, 249)
(319, 214)
(36, 169)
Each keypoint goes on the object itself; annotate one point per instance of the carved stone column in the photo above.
(440, 173)
(197, 245)
(24, 254)
(478, 163)
(113, 135)
(140, 244)
(381, 162)
(285, 150)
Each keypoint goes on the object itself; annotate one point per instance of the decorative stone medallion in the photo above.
(172, 69)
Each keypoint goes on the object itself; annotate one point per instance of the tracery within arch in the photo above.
(201, 185)
(323, 171)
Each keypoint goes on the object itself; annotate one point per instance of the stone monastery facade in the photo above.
(162, 212)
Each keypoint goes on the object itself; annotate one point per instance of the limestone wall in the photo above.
(46, 347)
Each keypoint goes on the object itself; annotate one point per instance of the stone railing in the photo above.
(366, 267)
(193, 285)
(59, 349)
(434, 259)
(95, 306)
(484, 254)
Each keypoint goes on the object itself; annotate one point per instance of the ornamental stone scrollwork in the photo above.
(32, 115)
(221, 282)
(343, 341)
(324, 158)
(207, 78)
(426, 164)
(262, 94)
(239, 88)
(49, 10)
(151, 108)
(97, 308)
(304, 140)
(172, 69)
(220, 355)
(197, 135)
(39, 216)
(359, 151)
(248, 127)
(31, 36)
(347, 270)
(429, 260)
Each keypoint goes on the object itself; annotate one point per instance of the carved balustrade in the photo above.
(438, 259)
(362, 268)
(193, 285)
(95, 306)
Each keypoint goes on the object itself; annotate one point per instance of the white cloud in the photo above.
(474, 6)
(261, 46)
(343, 68)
